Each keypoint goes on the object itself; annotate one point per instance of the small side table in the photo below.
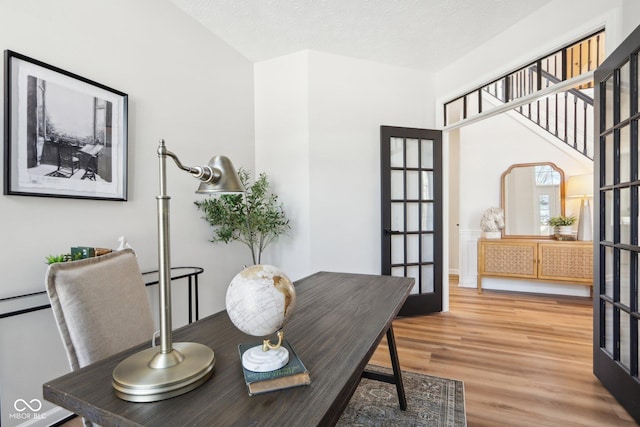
(27, 303)
(191, 273)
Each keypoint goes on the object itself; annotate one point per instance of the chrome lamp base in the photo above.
(151, 375)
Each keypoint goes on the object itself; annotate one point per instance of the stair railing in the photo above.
(567, 116)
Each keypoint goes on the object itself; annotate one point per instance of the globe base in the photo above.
(257, 360)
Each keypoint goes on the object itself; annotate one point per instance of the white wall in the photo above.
(184, 85)
(338, 161)
(630, 16)
(282, 151)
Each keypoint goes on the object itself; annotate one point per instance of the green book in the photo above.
(293, 374)
(82, 252)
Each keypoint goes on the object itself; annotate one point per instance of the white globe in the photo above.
(260, 300)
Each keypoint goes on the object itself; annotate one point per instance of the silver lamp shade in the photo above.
(224, 177)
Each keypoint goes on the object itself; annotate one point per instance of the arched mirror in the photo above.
(531, 193)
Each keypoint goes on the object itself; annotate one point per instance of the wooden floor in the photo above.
(526, 360)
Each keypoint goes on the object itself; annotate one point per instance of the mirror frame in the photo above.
(503, 205)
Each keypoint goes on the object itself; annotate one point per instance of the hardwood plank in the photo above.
(525, 359)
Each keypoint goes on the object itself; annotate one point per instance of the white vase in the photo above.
(564, 230)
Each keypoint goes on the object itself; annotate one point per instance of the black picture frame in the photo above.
(64, 135)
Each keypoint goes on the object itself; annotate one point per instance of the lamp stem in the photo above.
(164, 254)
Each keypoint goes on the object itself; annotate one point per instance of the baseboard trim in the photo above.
(45, 419)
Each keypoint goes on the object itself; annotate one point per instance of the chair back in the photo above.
(101, 306)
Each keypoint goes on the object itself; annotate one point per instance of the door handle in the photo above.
(388, 231)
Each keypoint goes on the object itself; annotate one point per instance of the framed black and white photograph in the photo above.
(65, 135)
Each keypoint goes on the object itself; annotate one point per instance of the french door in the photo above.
(617, 251)
(411, 195)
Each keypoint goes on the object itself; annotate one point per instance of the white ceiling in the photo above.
(422, 34)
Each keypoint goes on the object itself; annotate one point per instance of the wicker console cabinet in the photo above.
(536, 260)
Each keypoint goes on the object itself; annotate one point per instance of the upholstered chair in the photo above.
(100, 305)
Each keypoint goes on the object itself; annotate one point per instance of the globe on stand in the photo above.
(260, 300)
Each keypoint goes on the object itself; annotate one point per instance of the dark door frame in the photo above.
(623, 382)
(428, 302)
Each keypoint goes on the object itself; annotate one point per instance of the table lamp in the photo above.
(581, 186)
(174, 368)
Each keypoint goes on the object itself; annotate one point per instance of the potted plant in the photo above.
(52, 259)
(254, 218)
(562, 224)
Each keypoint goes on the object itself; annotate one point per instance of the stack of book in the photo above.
(81, 252)
(293, 374)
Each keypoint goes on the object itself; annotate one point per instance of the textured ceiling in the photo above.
(423, 34)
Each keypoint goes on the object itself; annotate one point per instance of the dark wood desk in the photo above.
(337, 324)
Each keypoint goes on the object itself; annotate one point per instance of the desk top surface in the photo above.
(337, 324)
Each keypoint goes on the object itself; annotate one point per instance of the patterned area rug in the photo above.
(431, 401)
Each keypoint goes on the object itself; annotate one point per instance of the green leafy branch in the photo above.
(51, 259)
(255, 218)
